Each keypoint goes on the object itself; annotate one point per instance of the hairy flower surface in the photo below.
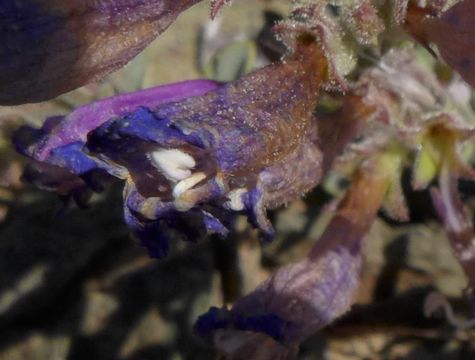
(226, 150)
(50, 47)
(245, 146)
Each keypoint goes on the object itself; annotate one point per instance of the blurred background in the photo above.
(75, 285)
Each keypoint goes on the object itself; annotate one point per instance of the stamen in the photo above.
(187, 184)
(192, 196)
(235, 199)
(174, 164)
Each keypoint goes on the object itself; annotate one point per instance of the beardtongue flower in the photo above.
(232, 149)
(244, 146)
(50, 47)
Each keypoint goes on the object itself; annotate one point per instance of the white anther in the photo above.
(173, 163)
(235, 199)
(187, 184)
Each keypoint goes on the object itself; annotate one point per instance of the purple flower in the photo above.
(195, 152)
(61, 164)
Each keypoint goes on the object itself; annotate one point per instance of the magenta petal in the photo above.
(75, 126)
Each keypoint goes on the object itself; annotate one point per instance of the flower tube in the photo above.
(245, 146)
